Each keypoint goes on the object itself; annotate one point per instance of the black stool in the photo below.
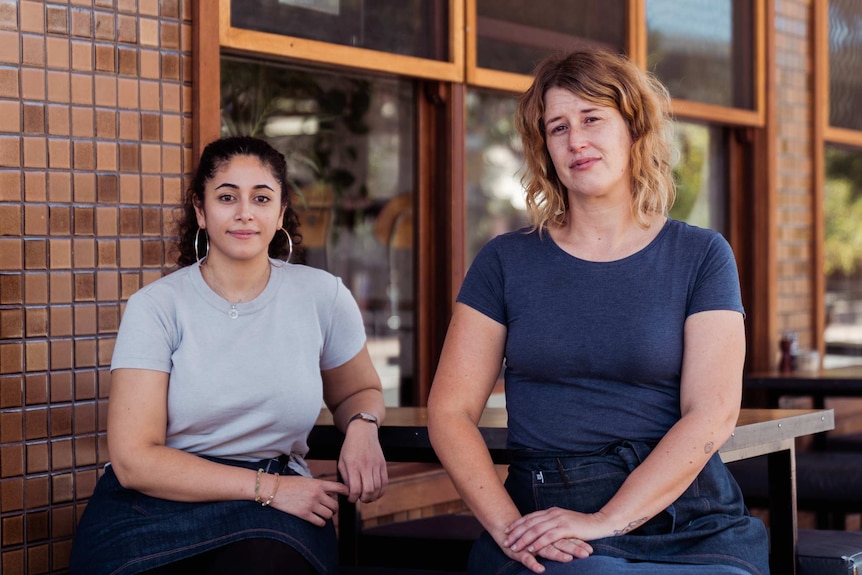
(827, 482)
(824, 552)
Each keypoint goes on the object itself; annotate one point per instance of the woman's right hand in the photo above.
(561, 550)
(314, 500)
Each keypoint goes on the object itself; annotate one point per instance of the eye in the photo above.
(262, 199)
(225, 197)
(557, 129)
(591, 119)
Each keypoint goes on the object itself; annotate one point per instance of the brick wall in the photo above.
(95, 124)
(794, 215)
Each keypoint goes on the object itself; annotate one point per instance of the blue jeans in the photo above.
(707, 525)
(123, 532)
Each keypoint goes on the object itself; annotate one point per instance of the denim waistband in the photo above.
(640, 449)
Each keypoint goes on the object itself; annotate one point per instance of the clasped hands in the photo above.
(554, 533)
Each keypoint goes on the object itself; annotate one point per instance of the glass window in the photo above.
(842, 211)
(700, 173)
(845, 64)
(408, 27)
(513, 38)
(495, 197)
(703, 50)
(349, 141)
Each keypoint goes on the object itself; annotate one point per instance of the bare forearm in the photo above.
(172, 474)
(666, 473)
(463, 452)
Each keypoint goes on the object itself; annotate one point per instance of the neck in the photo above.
(236, 281)
(604, 234)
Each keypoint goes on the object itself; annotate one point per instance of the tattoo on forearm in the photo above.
(631, 526)
(708, 447)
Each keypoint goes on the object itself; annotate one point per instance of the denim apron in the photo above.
(707, 525)
(123, 531)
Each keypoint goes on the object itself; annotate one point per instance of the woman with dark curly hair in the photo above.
(622, 334)
(217, 378)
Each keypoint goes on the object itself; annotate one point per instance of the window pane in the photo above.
(495, 197)
(349, 142)
(845, 64)
(703, 50)
(513, 35)
(842, 211)
(700, 174)
(409, 27)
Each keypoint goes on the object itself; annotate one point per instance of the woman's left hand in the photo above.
(361, 464)
(556, 534)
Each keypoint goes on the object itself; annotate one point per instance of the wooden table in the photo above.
(769, 432)
(835, 382)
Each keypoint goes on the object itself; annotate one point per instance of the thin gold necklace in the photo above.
(233, 313)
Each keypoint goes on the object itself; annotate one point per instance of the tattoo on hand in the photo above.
(631, 526)
(708, 447)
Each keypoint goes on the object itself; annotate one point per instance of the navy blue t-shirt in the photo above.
(594, 349)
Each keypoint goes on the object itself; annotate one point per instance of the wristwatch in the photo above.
(370, 418)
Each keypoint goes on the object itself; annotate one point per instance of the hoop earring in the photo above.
(197, 246)
(289, 244)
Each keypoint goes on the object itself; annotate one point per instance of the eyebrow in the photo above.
(581, 111)
(235, 187)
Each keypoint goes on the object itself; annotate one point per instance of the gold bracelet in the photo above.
(257, 498)
(272, 495)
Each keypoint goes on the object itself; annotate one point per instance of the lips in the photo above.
(243, 234)
(583, 163)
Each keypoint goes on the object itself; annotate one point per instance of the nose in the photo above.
(243, 210)
(577, 139)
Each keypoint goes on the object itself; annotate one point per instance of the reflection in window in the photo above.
(700, 175)
(845, 64)
(842, 212)
(512, 38)
(410, 27)
(495, 197)
(349, 144)
(703, 50)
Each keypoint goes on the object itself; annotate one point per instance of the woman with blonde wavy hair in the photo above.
(622, 335)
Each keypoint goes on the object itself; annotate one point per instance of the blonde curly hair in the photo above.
(605, 79)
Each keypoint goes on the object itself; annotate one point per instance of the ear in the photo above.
(201, 216)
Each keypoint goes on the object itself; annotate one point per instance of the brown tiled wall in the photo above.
(794, 214)
(95, 124)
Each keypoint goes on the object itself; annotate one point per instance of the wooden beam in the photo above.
(206, 77)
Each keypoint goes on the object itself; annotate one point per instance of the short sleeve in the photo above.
(717, 280)
(345, 333)
(146, 338)
(483, 287)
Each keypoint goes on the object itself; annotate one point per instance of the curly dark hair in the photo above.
(213, 158)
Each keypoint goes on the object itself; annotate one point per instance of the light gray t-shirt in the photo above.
(247, 388)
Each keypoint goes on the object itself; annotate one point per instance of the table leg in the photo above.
(348, 532)
(782, 509)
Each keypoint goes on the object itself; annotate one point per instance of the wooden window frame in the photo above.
(637, 50)
(439, 156)
(241, 40)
